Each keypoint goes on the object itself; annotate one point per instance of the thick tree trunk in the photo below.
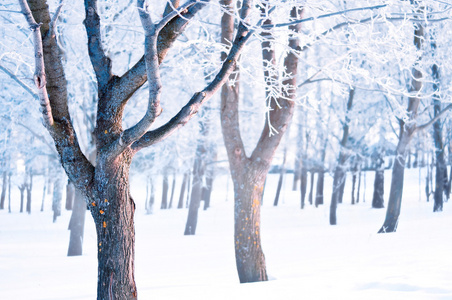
(77, 225)
(250, 259)
(113, 212)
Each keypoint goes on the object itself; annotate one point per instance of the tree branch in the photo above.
(192, 107)
(40, 75)
(100, 61)
(20, 82)
(436, 118)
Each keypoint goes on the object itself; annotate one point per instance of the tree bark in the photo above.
(281, 178)
(57, 197)
(311, 187)
(378, 196)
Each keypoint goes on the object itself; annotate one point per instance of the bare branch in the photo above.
(192, 107)
(40, 75)
(100, 61)
(436, 118)
(268, 26)
(54, 19)
(20, 82)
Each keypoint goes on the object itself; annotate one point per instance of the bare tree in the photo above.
(106, 186)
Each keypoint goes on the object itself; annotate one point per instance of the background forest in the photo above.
(319, 126)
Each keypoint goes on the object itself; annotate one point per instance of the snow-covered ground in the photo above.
(306, 257)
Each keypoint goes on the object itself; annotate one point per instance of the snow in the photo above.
(306, 257)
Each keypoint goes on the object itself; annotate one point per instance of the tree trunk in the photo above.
(281, 178)
(9, 192)
(311, 187)
(407, 130)
(319, 188)
(70, 195)
(165, 188)
(29, 190)
(196, 192)
(77, 225)
(182, 191)
(304, 183)
(353, 187)
(113, 211)
(43, 194)
(339, 173)
(250, 259)
(378, 196)
(4, 185)
(151, 201)
(207, 190)
(441, 169)
(359, 185)
(22, 195)
(173, 187)
(57, 196)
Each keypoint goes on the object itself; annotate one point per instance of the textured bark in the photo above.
(249, 173)
(77, 225)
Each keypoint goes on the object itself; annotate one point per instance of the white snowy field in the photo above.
(306, 257)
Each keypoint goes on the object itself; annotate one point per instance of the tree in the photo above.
(106, 186)
(249, 172)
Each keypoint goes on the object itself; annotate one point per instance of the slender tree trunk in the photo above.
(9, 192)
(319, 188)
(70, 195)
(77, 225)
(304, 183)
(339, 173)
(311, 188)
(43, 194)
(359, 185)
(165, 188)
(29, 190)
(4, 185)
(151, 201)
(57, 197)
(173, 187)
(281, 178)
(207, 190)
(22, 196)
(441, 169)
(196, 192)
(182, 191)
